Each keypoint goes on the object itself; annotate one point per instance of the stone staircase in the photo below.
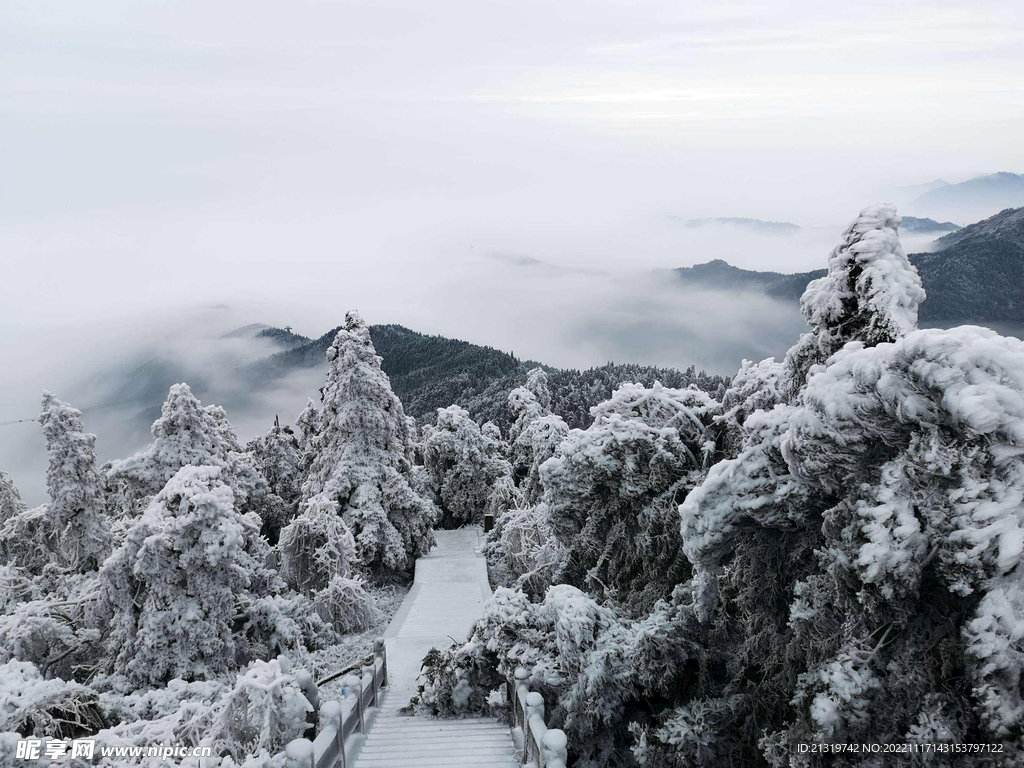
(448, 593)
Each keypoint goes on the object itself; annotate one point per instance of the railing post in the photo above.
(330, 717)
(534, 706)
(519, 695)
(354, 683)
(371, 670)
(309, 690)
(553, 748)
(299, 754)
(381, 649)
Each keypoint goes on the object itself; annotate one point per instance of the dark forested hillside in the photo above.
(430, 372)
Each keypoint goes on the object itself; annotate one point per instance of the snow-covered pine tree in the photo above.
(170, 590)
(10, 498)
(360, 456)
(317, 555)
(278, 458)
(878, 510)
(871, 294)
(537, 383)
(462, 466)
(308, 424)
(188, 434)
(613, 490)
(534, 435)
(74, 486)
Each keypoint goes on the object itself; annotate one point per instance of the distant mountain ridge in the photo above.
(759, 225)
(911, 224)
(977, 275)
(916, 225)
(973, 199)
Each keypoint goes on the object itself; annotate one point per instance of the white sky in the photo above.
(321, 155)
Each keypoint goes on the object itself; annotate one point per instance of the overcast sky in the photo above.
(322, 155)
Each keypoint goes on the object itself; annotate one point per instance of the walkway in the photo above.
(446, 598)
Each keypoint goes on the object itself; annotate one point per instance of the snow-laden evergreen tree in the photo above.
(317, 556)
(74, 486)
(188, 434)
(613, 491)
(463, 466)
(10, 498)
(28, 538)
(879, 513)
(871, 293)
(534, 434)
(537, 383)
(278, 458)
(309, 424)
(171, 588)
(361, 457)
(315, 547)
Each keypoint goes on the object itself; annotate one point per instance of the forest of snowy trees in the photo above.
(695, 572)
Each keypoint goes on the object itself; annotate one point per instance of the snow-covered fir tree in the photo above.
(278, 458)
(361, 456)
(171, 589)
(871, 294)
(464, 466)
(74, 485)
(10, 498)
(612, 491)
(188, 434)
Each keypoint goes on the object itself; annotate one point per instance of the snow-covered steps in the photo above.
(397, 741)
(447, 595)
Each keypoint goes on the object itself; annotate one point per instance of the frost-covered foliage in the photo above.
(31, 704)
(613, 489)
(29, 540)
(345, 605)
(361, 457)
(316, 547)
(278, 458)
(875, 525)
(537, 383)
(247, 720)
(10, 498)
(309, 424)
(534, 437)
(755, 387)
(871, 293)
(74, 486)
(522, 550)
(188, 434)
(171, 588)
(465, 466)
(48, 620)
